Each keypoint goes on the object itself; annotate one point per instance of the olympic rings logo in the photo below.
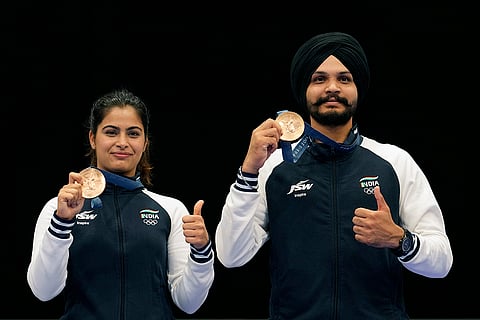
(368, 190)
(150, 222)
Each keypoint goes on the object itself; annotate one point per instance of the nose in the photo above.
(122, 140)
(332, 87)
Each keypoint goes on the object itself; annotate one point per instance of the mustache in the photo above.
(328, 97)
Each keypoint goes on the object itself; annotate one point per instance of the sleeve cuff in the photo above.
(60, 227)
(201, 255)
(247, 182)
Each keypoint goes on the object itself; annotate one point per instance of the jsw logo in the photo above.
(300, 186)
(86, 215)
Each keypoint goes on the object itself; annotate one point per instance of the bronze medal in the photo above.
(292, 125)
(93, 182)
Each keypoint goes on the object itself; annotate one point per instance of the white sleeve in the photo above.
(420, 213)
(47, 271)
(189, 281)
(243, 226)
(241, 231)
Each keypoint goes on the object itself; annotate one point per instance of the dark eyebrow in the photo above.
(129, 128)
(109, 126)
(135, 127)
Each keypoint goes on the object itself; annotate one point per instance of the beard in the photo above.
(332, 117)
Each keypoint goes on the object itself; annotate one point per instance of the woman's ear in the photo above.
(91, 138)
(145, 145)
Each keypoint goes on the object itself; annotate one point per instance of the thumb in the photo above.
(197, 209)
(381, 203)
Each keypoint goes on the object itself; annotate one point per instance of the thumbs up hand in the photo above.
(376, 228)
(194, 228)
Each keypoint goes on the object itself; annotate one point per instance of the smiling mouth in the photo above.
(332, 104)
(121, 155)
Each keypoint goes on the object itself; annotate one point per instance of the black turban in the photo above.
(312, 54)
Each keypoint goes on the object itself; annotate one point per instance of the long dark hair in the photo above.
(121, 98)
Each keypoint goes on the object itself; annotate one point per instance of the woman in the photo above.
(127, 253)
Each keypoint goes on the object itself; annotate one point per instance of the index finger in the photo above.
(75, 177)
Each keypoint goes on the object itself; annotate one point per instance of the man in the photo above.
(344, 213)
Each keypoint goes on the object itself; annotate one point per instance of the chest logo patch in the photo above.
(149, 217)
(300, 188)
(368, 183)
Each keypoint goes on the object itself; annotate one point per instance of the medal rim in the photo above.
(286, 136)
(99, 181)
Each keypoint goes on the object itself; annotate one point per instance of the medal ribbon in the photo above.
(123, 182)
(309, 134)
(117, 180)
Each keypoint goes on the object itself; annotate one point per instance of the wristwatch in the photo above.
(405, 244)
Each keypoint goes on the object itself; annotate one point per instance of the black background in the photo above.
(210, 74)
